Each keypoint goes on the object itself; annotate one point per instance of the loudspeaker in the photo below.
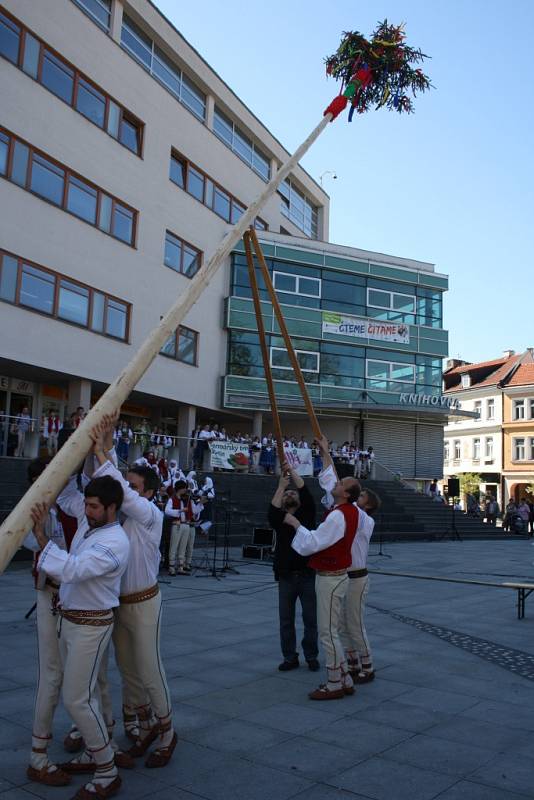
(453, 487)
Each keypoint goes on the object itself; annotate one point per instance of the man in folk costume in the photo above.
(184, 511)
(90, 585)
(138, 617)
(330, 547)
(52, 427)
(50, 676)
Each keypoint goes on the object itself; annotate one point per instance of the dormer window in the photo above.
(466, 381)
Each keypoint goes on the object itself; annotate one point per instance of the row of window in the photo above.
(160, 66)
(211, 194)
(297, 208)
(295, 205)
(523, 408)
(335, 364)
(29, 285)
(312, 287)
(36, 172)
(26, 284)
(25, 50)
(523, 448)
(240, 144)
(490, 408)
(475, 449)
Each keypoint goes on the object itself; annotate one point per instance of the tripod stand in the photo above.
(227, 508)
(380, 553)
(452, 530)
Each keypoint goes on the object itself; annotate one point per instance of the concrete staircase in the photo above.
(13, 484)
(404, 516)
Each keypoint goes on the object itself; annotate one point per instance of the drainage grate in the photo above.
(516, 661)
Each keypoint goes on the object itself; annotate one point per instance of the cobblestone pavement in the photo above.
(449, 715)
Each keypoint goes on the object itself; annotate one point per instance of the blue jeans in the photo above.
(302, 586)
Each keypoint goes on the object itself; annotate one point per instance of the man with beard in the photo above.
(90, 576)
(295, 578)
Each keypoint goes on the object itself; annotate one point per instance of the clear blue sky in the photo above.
(452, 184)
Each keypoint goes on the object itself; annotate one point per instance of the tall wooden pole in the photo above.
(277, 429)
(287, 339)
(47, 487)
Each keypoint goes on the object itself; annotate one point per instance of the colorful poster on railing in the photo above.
(345, 325)
(229, 455)
(299, 459)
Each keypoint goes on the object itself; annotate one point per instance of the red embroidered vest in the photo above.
(178, 505)
(338, 555)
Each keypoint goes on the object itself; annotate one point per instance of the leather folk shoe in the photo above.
(324, 693)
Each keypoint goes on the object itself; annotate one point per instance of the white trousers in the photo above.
(82, 649)
(353, 633)
(51, 443)
(50, 670)
(178, 545)
(136, 637)
(330, 591)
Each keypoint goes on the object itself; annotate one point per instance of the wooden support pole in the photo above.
(287, 339)
(48, 485)
(277, 429)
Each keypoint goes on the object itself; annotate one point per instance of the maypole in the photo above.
(376, 71)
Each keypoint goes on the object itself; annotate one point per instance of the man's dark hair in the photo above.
(353, 491)
(150, 479)
(374, 502)
(36, 468)
(107, 490)
(180, 485)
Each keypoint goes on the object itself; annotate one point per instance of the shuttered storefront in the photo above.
(414, 450)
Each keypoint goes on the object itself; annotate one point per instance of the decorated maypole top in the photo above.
(376, 72)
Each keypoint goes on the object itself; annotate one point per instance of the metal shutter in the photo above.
(393, 444)
(429, 451)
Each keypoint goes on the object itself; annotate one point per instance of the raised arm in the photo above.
(71, 500)
(283, 483)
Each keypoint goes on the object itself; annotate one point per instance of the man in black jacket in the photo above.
(295, 579)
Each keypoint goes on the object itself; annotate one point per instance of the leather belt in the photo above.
(52, 584)
(357, 573)
(332, 573)
(140, 597)
(83, 617)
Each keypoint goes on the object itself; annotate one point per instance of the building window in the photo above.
(476, 449)
(284, 282)
(298, 209)
(457, 449)
(98, 10)
(308, 361)
(519, 449)
(518, 409)
(381, 373)
(393, 301)
(488, 449)
(531, 407)
(531, 448)
(477, 408)
(242, 146)
(200, 186)
(181, 256)
(466, 380)
(61, 78)
(37, 288)
(33, 170)
(446, 450)
(490, 408)
(139, 45)
(182, 346)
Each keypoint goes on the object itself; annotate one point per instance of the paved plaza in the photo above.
(450, 715)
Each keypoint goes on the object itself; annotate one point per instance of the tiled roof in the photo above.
(523, 376)
(480, 365)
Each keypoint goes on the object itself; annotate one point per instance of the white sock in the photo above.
(334, 679)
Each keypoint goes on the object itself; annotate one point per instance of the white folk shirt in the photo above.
(90, 575)
(360, 545)
(143, 527)
(179, 514)
(306, 542)
(366, 524)
(54, 532)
